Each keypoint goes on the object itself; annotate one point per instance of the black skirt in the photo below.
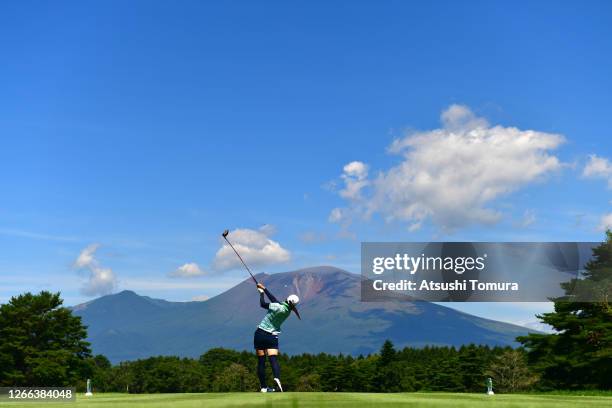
(262, 340)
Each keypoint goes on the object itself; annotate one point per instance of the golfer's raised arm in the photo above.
(262, 289)
(262, 301)
(270, 296)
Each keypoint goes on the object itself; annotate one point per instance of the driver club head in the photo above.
(225, 233)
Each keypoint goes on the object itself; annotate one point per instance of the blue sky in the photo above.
(141, 130)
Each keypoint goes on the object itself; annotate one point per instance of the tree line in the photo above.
(461, 369)
(43, 344)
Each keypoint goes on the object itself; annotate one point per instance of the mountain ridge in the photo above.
(127, 326)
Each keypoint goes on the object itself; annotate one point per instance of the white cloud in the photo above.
(451, 175)
(101, 280)
(86, 257)
(415, 226)
(200, 298)
(605, 222)
(188, 270)
(255, 247)
(355, 179)
(460, 117)
(344, 218)
(598, 167)
(337, 215)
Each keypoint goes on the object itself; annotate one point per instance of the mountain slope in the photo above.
(126, 326)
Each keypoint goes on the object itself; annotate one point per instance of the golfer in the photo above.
(266, 336)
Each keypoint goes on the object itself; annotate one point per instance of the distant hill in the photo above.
(126, 326)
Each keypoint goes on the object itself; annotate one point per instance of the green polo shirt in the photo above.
(277, 314)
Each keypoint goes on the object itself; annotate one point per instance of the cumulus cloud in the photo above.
(355, 179)
(598, 167)
(605, 222)
(188, 270)
(101, 280)
(255, 247)
(450, 175)
(86, 257)
(460, 117)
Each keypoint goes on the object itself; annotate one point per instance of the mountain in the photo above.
(126, 326)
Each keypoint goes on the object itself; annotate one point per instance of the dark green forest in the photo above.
(410, 369)
(43, 344)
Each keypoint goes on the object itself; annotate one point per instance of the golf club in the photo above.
(224, 235)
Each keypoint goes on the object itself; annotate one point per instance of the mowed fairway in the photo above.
(313, 399)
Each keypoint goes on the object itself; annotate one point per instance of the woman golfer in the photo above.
(266, 335)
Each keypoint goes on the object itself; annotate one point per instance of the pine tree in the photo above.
(387, 378)
(579, 354)
(471, 367)
(41, 342)
(387, 353)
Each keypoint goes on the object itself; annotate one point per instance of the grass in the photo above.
(335, 400)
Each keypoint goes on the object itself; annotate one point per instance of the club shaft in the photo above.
(241, 260)
(251, 273)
